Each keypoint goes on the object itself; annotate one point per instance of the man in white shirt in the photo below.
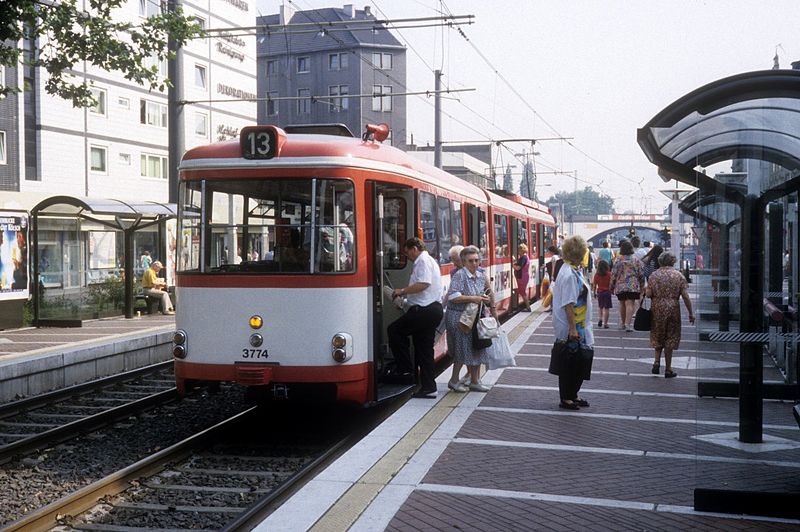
(638, 252)
(424, 295)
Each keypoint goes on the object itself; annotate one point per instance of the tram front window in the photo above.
(275, 226)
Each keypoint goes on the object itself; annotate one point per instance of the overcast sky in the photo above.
(593, 70)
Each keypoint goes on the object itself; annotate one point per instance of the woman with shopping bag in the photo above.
(572, 322)
(469, 285)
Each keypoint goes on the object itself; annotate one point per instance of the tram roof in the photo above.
(755, 115)
(311, 150)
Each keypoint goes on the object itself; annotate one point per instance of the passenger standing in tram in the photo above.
(469, 285)
(572, 318)
(627, 282)
(522, 274)
(424, 295)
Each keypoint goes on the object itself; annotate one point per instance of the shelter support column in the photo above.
(751, 316)
(129, 275)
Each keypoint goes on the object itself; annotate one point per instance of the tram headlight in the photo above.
(179, 351)
(339, 341)
(342, 347)
(256, 340)
(256, 322)
(179, 338)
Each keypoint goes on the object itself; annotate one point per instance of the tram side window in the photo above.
(500, 236)
(548, 234)
(335, 243)
(189, 239)
(427, 213)
(394, 232)
(443, 226)
(458, 225)
(534, 242)
(522, 234)
(482, 241)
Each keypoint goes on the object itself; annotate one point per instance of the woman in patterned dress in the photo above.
(665, 286)
(470, 284)
(627, 282)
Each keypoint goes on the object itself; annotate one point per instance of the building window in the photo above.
(272, 67)
(125, 159)
(200, 21)
(382, 61)
(3, 157)
(99, 107)
(2, 79)
(124, 102)
(150, 8)
(304, 104)
(304, 64)
(161, 65)
(338, 61)
(200, 76)
(153, 114)
(154, 166)
(201, 125)
(272, 104)
(382, 99)
(97, 156)
(339, 105)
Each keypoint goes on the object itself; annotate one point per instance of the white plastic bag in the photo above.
(500, 355)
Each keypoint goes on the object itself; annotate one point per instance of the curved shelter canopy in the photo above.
(114, 215)
(754, 116)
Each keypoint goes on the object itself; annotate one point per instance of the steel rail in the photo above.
(23, 405)
(257, 511)
(63, 432)
(47, 517)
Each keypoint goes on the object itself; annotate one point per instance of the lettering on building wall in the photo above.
(239, 4)
(227, 90)
(233, 39)
(229, 51)
(226, 132)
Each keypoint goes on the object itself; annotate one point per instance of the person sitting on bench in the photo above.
(154, 286)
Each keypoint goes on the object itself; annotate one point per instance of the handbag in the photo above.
(467, 319)
(477, 341)
(569, 357)
(643, 319)
(500, 355)
(488, 327)
(562, 356)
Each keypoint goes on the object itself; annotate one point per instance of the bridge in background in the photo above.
(614, 227)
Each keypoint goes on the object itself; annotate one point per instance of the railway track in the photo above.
(30, 424)
(226, 477)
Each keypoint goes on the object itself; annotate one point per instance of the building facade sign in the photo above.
(238, 4)
(227, 90)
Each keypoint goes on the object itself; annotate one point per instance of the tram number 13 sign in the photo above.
(258, 142)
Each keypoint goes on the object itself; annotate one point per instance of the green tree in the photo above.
(67, 34)
(586, 201)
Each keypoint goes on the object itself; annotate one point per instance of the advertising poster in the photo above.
(172, 244)
(102, 250)
(13, 255)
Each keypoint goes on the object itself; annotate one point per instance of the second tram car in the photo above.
(289, 245)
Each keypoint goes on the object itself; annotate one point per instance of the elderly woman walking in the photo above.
(665, 286)
(627, 282)
(572, 317)
(469, 285)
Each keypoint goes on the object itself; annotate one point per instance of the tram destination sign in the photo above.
(259, 142)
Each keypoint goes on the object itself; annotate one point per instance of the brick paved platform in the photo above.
(512, 460)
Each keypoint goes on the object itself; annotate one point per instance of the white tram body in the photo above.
(288, 244)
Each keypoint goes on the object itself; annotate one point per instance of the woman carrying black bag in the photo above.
(572, 323)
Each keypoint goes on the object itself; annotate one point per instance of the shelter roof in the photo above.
(755, 115)
(74, 206)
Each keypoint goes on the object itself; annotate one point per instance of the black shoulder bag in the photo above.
(477, 341)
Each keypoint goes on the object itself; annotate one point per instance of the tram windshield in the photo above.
(275, 226)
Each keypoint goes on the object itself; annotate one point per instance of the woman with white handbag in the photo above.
(469, 288)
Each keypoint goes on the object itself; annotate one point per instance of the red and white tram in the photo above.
(289, 244)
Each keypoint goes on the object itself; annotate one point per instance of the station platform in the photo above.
(36, 360)
(511, 459)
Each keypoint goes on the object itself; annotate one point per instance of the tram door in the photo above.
(393, 223)
(513, 250)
